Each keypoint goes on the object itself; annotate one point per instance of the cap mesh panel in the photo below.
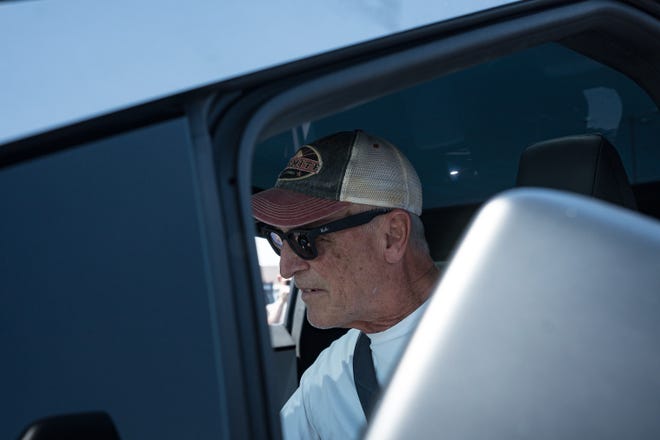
(380, 175)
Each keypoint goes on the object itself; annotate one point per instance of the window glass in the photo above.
(464, 132)
(104, 304)
(276, 288)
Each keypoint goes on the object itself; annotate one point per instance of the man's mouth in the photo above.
(306, 292)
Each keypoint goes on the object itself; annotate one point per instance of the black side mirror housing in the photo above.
(80, 426)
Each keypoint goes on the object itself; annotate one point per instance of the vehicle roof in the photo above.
(64, 65)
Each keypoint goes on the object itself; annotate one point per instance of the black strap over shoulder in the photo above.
(364, 374)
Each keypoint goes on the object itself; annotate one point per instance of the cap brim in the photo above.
(289, 209)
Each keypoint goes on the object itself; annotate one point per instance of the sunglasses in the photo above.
(302, 242)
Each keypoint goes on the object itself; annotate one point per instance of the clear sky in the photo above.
(63, 61)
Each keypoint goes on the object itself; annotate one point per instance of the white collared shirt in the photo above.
(326, 404)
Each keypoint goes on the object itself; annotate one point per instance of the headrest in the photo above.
(585, 164)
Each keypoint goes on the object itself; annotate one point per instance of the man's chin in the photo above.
(319, 322)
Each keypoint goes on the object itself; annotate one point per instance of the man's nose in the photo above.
(290, 262)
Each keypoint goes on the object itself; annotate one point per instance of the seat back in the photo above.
(585, 164)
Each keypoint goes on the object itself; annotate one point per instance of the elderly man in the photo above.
(344, 218)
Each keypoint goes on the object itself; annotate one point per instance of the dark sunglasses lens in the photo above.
(303, 245)
(275, 241)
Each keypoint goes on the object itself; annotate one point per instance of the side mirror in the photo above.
(81, 426)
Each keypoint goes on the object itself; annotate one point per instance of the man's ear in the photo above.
(397, 232)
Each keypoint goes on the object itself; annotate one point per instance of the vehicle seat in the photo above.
(586, 164)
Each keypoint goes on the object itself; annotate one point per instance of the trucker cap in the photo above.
(325, 176)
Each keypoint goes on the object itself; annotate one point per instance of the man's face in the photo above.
(340, 285)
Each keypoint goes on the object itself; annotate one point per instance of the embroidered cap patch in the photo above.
(305, 163)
